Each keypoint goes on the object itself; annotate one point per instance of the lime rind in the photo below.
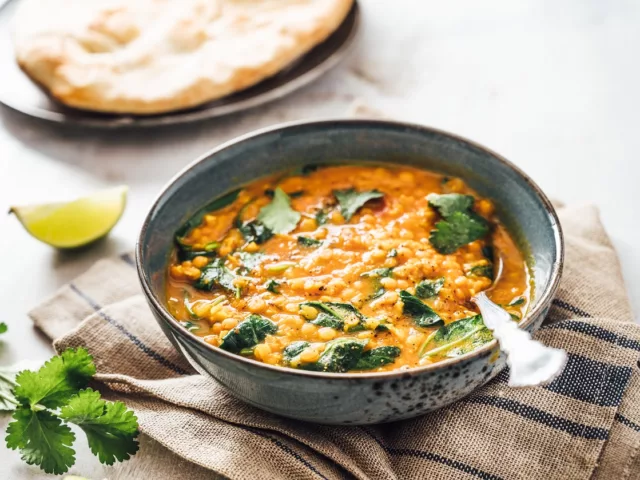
(77, 223)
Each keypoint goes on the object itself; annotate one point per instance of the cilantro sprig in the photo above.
(459, 226)
(47, 400)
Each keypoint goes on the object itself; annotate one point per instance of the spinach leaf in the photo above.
(375, 275)
(186, 252)
(336, 315)
(481, 271)
(273, 286)
(429, 288)
(460, 225)
(422, 314)
(450, 203)
(458, 230)
(378, 273)
(248, 333)
(250, 261)
(196, 218)
(292, 351)
(340, 355)
(459, 337)
(255, 231)
(377, 357)
(217, 275)
(191, 326)
(516, 302)
(350, 200)
(308, 242)
(278, 216)
(322, 216)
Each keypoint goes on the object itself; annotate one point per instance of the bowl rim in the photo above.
(544, 301)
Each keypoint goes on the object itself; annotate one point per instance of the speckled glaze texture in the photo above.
(349, 398)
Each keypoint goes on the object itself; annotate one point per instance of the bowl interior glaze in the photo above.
(521, 205)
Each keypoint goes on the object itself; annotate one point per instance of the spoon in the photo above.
(530, 362)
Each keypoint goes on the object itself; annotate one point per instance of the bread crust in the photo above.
(147, 57)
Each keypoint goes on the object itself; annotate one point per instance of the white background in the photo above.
(553, 86)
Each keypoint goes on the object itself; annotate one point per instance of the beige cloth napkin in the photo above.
(586, 424)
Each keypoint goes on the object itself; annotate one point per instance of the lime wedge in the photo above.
(77, 223)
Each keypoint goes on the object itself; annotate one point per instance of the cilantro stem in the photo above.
(38, 408)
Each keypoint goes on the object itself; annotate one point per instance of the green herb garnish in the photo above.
(292, 351)
(3, 327)
(55, 395)
(308, 242)
(481, 271)
(460, 225)
(377, 357)
(516, 302)
(272, 286)
(255, 231)
(336, 315)
(423, 315)
(248, 333)
(350, 200)
(340, 355)
(217, 275)
(429, 288)
(457, 338)
(378, 273)
(278, 216)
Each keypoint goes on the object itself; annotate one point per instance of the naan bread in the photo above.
(152, 56)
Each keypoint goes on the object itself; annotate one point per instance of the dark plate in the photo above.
(19, 93)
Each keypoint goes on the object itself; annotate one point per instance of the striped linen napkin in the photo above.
(584, 425)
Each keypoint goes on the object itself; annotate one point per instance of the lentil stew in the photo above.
(345, 268)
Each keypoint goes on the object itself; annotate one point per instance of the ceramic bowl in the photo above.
(347, 398)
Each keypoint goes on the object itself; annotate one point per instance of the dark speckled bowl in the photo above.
(360, 398)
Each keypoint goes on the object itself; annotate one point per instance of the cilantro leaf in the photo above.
(429, 288)
(111, 429)
(3, 327)
(278, 216)
(450, 203)
(460, 229)
(350, 200)
(423, 315)
(42, 440)
(7, 382)
(460, 225)
(57, 380)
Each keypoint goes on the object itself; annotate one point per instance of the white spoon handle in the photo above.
(530, 362)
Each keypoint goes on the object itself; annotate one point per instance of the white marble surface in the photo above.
(553, 86)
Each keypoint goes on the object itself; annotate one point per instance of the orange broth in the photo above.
(388, 235)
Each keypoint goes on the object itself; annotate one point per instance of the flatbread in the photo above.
(153, 56)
